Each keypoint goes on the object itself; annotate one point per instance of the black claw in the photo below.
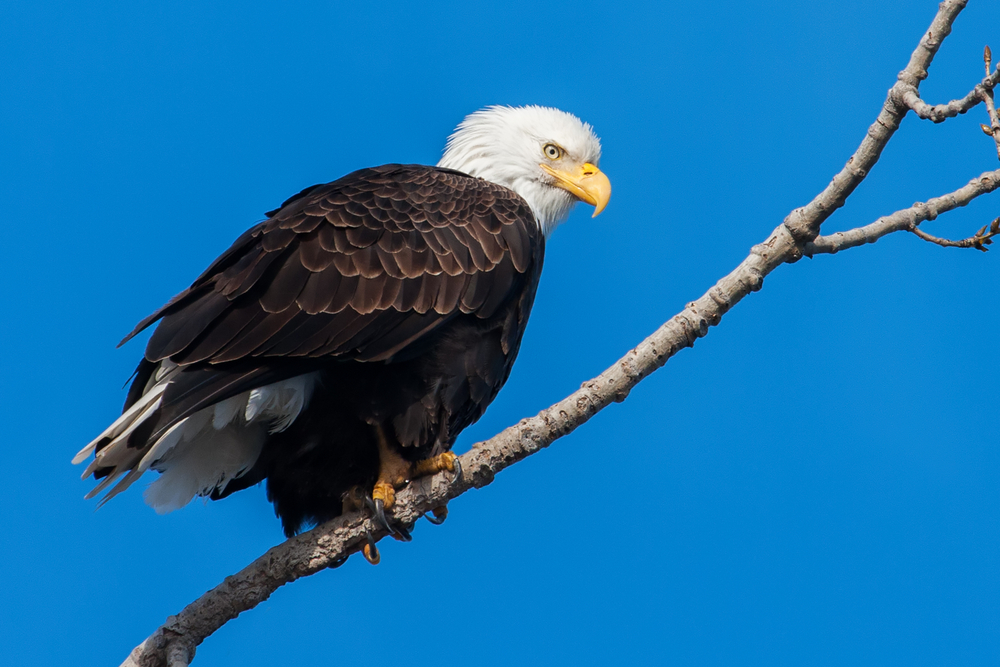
(380, 515)
(402, 533)
(458, 469)
(340, 561)
(435, 520)
(371, 554)
(377, 508)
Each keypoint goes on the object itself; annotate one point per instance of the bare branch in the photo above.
(986, 95)
(330, 544)
(907, 219)
(803, 223)
(940, 112)
(979, 240)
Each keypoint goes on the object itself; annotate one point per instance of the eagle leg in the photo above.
(393, 470)
(394, 473)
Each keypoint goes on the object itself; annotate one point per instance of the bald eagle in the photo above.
(343, 343)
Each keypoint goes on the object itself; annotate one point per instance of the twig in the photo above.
(908, 219)
(987, 96)
(938, 113)
(979, 240)
(327, 545)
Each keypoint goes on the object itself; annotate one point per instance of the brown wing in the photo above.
(362, 268)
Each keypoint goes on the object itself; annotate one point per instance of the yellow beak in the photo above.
(586, 183)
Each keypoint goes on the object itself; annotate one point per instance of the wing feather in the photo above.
(222, 332)
(369, 294)
(313, 255)
(180, 329)
(319, 291)
(238, 284)
(248, 341)
(454, 255)
(369, 264)
(344, 295)
(286, 285)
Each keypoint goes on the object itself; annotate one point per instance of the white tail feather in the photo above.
(281, 402)
(121, 423)
(105, 483)
(119, 487)
(200, 466)
(110, 452)
(225, 411)
(166, 442)
(200, 453)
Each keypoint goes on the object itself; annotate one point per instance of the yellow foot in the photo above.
(436, 464)
(385, 492)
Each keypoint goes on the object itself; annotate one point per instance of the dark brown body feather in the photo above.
(406, 287)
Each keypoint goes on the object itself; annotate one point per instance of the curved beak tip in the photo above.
(598, 188)
(600, 206)
(588, 184)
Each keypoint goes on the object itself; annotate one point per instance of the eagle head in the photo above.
(547, 156)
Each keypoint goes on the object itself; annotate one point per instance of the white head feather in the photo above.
(505, 145)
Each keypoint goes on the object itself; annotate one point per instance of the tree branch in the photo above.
(979, 240)
(938, 113)
(986, 95)
(908, 219)
(330, 544)
(803, 223)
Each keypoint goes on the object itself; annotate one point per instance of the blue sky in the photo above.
(816, 482)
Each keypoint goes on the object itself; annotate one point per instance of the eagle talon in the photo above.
(439, 515)
(401, 534)
(380, 515)
(370, 551)
(377, 508)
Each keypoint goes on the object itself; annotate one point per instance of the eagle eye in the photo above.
(552, 151)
